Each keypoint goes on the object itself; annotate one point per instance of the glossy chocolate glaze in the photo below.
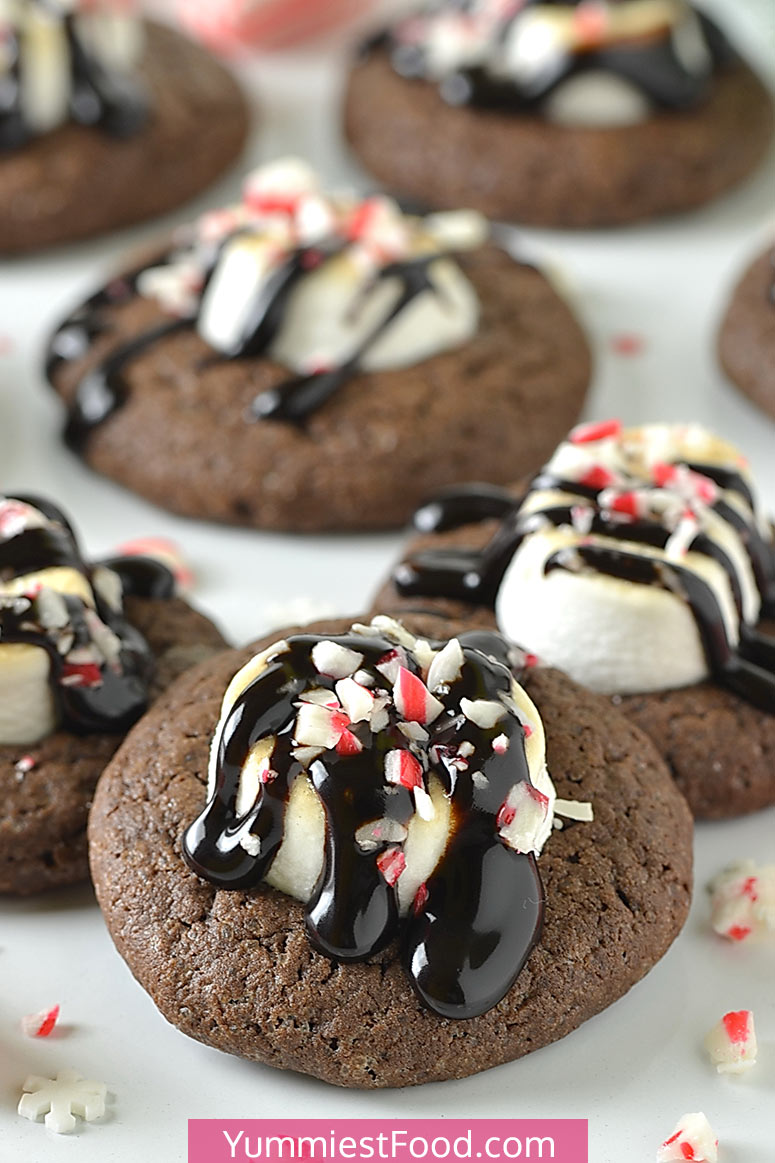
(104, 388)
(109, 101)
(120, 696)
(473, 927)
(650, 63)
(475, 575)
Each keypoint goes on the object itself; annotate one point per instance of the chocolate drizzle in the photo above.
(99, 97)
(93, 698)
(650, 62)
(475, 576)
(104, 388)
(480, 913)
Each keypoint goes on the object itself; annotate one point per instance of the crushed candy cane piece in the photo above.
(446, 665)
(318, 726)
(597, 430)
(23, 765)
(391, 864)
(41, 1024)
(500, 744)
(597, 477)
(731, 1043)
(167, 552)
(423, 803)
(692, 1139)
(420, 899)
(414, 732)
(413, 700)
(484, 712)
(306, 755)
(627, 343)
(386, 831)
(390, 663)
(358, 703)
(334, 660)
(523, 818)
(60, 1099)
(743, 901)
(402, 769)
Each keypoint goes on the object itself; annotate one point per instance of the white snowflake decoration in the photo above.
(61, 1099)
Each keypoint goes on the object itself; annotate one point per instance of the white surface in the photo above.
(640, 1065)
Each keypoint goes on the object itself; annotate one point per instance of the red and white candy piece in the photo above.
(413, 701)
(318, 726)
(167, 552)
(358, 703)
(731, 1043)
(16, 516)
(692, 1139)
(743, 901)
(597, 430)
(41, 1024)
(402, 769)
(391, 864)
(523, 817)
(234, 27)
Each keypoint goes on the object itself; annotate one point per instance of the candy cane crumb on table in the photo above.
(731, 1043)
(40, 1025)
(692, 1139)
(743, 901)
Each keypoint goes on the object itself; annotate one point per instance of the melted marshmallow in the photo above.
(108, 33)
(535, 45)
(338, 306)
(606, 632)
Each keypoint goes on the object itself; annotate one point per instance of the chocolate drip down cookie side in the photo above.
(639, 562)
(325, 361)
(84, 650)
(574, 114)
(277, 852)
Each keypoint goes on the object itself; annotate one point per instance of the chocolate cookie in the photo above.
(747, 337)
(75, 670)
(487, 111)
(134, 146)
(421, 368)
(639, 561)
(235, 967)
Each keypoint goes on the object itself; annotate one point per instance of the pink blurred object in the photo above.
(233, 27)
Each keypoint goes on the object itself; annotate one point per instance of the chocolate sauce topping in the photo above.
(478, 916)
(649, 62)
(107, 100)
(91, 697)
(104, 388)
(475, 576)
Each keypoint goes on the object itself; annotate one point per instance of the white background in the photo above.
(636, 1068)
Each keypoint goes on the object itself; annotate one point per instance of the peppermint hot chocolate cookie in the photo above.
(103, 121)
(311, 361)
(83, 651)
(747, 338)
(398, 864)
(559, 114)
(639, 562)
